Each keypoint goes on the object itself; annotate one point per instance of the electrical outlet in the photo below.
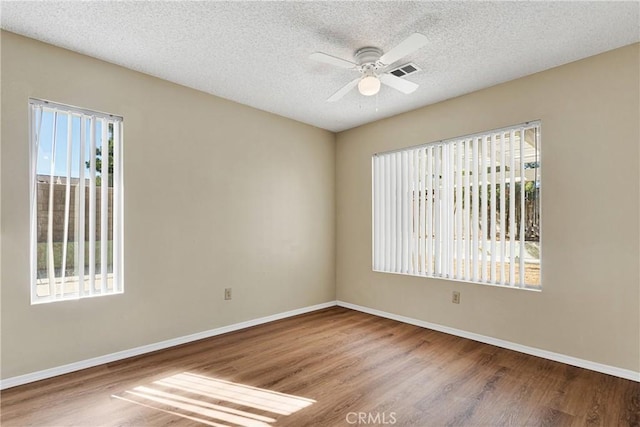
(227, 293)
(455, 297)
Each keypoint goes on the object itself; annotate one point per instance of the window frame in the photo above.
(87, 118)
(384, 261)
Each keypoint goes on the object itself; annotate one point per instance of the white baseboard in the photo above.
(89, 363)
(569, 360)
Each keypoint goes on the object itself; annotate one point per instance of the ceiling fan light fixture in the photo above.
(369, 85)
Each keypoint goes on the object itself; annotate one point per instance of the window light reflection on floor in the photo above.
(193, 396)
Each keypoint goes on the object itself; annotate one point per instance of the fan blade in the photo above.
(328, 59)
(343, 91)
(397, 83)
(409, 45)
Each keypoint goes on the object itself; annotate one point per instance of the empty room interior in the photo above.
(320, 213)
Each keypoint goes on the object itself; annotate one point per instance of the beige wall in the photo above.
(253, 194)
(590, 305)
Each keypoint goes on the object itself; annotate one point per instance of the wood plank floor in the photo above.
(333, 367)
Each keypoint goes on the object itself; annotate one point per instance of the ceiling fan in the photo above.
(371, 63)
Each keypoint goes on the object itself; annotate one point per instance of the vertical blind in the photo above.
(76, 202)
(466, 208)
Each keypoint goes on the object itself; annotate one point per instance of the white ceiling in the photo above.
(256, 53)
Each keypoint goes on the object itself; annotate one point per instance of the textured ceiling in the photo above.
(256, 53)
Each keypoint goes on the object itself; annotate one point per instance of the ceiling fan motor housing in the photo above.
(367, 59)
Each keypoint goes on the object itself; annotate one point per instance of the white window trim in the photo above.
(117, 209)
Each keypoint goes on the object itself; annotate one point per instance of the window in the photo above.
(463, 209)
(76, 202)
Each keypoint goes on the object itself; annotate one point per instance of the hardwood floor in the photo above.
(333, 367)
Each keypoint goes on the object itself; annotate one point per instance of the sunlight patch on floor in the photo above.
(207, 400)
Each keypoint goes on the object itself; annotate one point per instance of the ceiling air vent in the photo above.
(405, 70)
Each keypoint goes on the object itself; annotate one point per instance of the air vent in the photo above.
(405, 70)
